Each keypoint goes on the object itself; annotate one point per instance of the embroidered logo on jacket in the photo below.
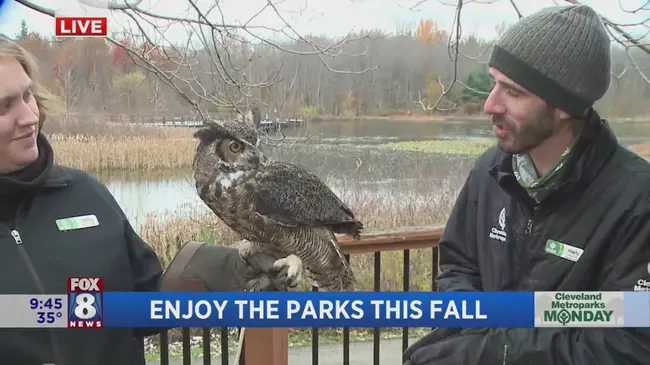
(500, 234)
(643, 284)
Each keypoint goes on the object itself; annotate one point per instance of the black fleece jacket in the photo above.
(31, 200)
(497, 239)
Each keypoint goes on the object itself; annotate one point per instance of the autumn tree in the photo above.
(119, 56)
(66, 73)
(429, 32)
(433, 90)
(350, 103)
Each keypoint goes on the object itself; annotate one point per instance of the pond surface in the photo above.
(342, 153)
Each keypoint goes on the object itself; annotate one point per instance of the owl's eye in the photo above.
(235, 147)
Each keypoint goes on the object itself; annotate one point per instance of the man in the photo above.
(557, 177)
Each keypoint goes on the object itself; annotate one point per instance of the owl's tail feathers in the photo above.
(353, 229)
(342, 285)
(348, 283)
(340, 281)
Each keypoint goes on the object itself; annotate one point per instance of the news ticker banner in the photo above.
(327, 309)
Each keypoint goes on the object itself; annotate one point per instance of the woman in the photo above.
(39, 203)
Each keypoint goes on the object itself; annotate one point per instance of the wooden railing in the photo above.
(269, 346)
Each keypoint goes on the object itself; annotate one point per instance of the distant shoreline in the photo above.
(402, 118)
(447, 118)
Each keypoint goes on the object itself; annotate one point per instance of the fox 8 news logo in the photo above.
(85, 303)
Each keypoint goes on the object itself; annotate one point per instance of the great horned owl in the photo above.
(278, 207)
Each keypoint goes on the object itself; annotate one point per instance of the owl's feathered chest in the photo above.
(226, 180)
(228, 195)
(215, 185)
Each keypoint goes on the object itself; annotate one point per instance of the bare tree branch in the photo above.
(516, 9)
(214, 69)
(616, 30)
(645, 6)
(197, 56)
(453, 47)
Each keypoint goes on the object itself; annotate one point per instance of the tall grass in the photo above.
(133, 153)
(95, 145)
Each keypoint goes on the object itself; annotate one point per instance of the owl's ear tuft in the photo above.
(208, 134)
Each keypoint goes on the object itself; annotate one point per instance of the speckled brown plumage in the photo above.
(280, 207)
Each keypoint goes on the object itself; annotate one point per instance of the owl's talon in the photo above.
(246, 250)
(294, 268)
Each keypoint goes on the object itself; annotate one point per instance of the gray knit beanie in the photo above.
(561, 54)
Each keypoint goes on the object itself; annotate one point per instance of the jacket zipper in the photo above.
(521, 255)
(58, 359)
(529, 228)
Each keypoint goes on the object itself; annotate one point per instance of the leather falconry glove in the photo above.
(200, 266)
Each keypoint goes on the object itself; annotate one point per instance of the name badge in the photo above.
(73, 223)
(563, 250)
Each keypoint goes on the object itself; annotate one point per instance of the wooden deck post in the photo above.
(266, 346)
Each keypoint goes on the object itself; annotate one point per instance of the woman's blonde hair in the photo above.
(46, 101)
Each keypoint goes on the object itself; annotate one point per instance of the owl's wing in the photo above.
(290, 195)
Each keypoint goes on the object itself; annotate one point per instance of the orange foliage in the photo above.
(429, 32)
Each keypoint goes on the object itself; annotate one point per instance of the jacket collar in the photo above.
(596, 146)
(57, 178)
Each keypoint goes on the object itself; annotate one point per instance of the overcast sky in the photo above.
(332, 17)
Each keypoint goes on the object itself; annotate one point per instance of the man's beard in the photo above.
(525, 137)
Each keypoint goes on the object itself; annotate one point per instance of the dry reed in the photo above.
(134, 153)
(96, 145)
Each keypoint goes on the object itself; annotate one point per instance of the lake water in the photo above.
(340, 152)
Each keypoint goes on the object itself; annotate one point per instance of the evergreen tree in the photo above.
(24, 31)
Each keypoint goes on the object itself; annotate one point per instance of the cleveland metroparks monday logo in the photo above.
(578, 309)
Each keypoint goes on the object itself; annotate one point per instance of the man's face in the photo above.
(18, 117)
(521, 120)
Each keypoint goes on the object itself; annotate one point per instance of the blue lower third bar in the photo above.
(319, 309)
(636, 309)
